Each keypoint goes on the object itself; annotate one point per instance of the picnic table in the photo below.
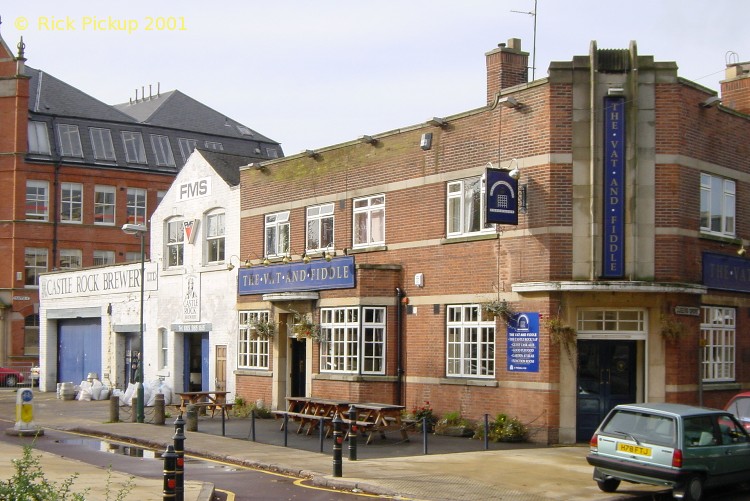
(209, 400)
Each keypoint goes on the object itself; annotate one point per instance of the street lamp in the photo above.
(140, 230)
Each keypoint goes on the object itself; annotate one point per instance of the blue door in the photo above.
(196, 360)
(79, 349)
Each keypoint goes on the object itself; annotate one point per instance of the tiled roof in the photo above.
(226, 165)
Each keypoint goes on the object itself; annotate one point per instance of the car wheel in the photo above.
(608, 485)
(693, 489)
(10, 380)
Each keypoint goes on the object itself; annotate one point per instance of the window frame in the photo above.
(216, 250)
(367, 207)
(38, 138)
(187, 147)
(40, 187)
(104, 211)
(136, 205)
(70, 141)
(316, 217)
(725, 202)
(174, 244)
(458, 198)
(162, 150)
(253, 352)
(101, 144)
(71, 259)
(71, 210)
(353, 340)
(135, 150)
(31, 335)
(163, 348)
(718, 336)
(103, 257)
(276, 226)
(32, 271)
(467, 342)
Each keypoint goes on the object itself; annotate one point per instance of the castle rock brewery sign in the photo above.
(613, 262)
(316, 275)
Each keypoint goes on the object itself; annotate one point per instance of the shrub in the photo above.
(504, 429)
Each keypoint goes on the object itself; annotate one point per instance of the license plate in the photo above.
(633, 449)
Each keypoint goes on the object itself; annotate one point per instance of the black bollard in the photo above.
(424, 435)
(337, 440)
(286, 429)
(114, 409)
(179, 449)
(486, 431)
(352, 433)
(169, 473)
(252, 425)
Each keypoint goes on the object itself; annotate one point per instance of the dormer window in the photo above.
(70, 141)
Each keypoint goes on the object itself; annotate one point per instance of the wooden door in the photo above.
(221, 367)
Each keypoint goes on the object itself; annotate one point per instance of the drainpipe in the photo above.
(399, 340)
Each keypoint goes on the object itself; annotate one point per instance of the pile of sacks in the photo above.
(92, 390)
(150, 390)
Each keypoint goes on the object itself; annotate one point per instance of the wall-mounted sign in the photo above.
(191, 190)
(722, 271)
(613, 224)
(501, 197)
(191, 297)
(191, 229)
(316, 275)
(523, 342)
(204, 327)
(692, 311)
(109, 280)
(21, 298)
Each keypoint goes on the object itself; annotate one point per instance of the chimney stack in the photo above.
(507, 66)
(735, 89)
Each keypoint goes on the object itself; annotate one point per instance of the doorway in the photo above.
(195, 377)
(298, 367)
(221, 367)
(606, 378)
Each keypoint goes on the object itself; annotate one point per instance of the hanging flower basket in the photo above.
(500, 309)
(671, 328)
(565, 336)
(262, 329)
(304, 327)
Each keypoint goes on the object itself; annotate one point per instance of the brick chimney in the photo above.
(507, 66)
(735, 89)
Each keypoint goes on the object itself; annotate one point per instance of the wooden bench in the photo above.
(207, 406)
(304, 419)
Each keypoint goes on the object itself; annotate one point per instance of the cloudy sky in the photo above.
(316, 73)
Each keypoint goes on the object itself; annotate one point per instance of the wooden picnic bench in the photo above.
(206, 400)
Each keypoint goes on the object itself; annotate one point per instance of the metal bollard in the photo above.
(191, 418)
(114, 409)
(424, 435)
(169, 473)
(486, 431)
(159, 414)
(133, 407)
(252, 425)
(337, 440)
(286, 429)
(352, 433)
(179, 449)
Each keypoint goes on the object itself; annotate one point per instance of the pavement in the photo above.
(440, 469)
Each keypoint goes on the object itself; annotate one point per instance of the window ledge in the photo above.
(717, 237)
(373, 248)
(469, 238)
(459, 381)
(253, 372)
(354, 378)
(722, 386)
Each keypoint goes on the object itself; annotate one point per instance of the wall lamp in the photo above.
(711, 102)
(509, 102)
(230, 266)
(329, 254)
(742, 250)
(248, 263)
(515, 173)
(437, 122)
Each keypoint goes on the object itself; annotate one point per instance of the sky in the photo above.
(311, 74)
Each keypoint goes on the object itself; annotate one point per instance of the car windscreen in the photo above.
(740, 407)
(642, 427)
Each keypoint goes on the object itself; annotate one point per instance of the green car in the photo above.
(678, 446)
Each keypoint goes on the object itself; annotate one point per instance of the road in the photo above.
(232, 482)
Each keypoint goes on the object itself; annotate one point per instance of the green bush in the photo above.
(242, 409)
(504, 429)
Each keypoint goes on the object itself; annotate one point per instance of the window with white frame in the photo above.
(37, 200)
(186, 147)
(353, 340)
(162, 150)
(277, 234)
(272, 153)
(136, 206)
(253, 351)
(717, 205)
(163, 348)
(103, 258)
(38, 138)
(132, 256)
(215, 237)
(319, 227)
(718, 334)
(104, 204)
(369, 221)
(135, 152)
(631, 322)
(31, 334)
(471, 342)
(71, 203)
(214, 145)
(175, 243)
(466, 206)
(70, 140)
(101, 141)
(35, 263)
(71, 259)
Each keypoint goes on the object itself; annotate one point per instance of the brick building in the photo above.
(74, 170)
(623, 280)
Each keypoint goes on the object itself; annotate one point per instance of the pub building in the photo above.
(574, 242)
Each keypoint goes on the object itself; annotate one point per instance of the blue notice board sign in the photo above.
(320, 274)
(501, 197)
(523, 342)
(613, 246)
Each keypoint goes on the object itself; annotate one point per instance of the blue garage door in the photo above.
(80, 349)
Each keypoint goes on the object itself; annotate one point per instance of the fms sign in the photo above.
(613, 258)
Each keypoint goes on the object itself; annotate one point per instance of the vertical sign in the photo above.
(501, 197)
(523, 342)
(613, 262)
(191, 298)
